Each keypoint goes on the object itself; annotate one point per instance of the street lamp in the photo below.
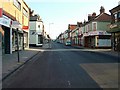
(18, 47)
(49, 34)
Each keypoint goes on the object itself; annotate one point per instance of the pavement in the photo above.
(102, 51)
(10, 61)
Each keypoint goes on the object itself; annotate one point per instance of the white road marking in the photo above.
(69, 83)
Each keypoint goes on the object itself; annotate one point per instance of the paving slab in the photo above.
(10, 61)
(105, 74)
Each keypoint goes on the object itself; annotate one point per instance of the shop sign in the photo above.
(5, 21)
(113, 26)
(98, 33)
(93, 33)
(16, 24)
(101, 33)
(25, 27)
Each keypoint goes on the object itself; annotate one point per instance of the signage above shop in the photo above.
(5, 21)
(16, 24)
(92, 33)
(25, 27)
(113, 26)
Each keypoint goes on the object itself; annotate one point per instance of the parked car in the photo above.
(68, 43)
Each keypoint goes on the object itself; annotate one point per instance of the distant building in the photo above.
(94, 30)
(76, 35)
(71, 27)
(36, 30)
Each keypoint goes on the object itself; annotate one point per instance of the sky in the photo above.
(56, 15)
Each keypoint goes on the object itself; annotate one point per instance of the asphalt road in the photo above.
(58, 67)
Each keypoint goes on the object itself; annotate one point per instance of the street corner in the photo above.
(105, 74)
(20, 63)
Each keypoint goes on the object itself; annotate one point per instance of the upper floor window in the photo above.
(88, 27)
(84, 29)
(17, 4)
(25, 12)
(115, 17)
(94, 26)
(118, 14)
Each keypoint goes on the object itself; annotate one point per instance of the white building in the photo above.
(36, 31)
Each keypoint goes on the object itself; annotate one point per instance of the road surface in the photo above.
(66, 67)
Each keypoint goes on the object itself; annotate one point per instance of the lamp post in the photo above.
(49, 34)
(18, 47)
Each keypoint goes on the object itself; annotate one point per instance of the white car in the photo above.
(68, 43)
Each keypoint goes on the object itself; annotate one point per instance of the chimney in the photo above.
(84, 21)
(102, 10)
(93, 15)
(79, 24)
(89, 17)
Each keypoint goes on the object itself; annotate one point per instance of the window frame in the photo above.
(17, 4)
(94, 26)
(25, 12)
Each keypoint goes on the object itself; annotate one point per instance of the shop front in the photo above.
(17, 34)
(98, 39)
(116, 41)
(115, 31)
(6, 41)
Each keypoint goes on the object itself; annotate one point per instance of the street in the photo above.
(66, 67)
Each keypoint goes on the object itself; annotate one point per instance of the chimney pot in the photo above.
(102, 10)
